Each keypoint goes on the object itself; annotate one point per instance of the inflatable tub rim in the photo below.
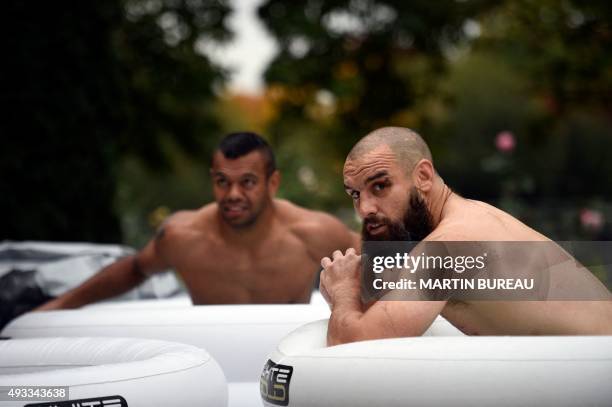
(520, 370)
(91, 360)
(309, 340)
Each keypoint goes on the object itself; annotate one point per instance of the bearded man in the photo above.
(390, 176)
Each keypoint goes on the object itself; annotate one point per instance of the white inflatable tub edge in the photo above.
(143, 372)
(439, 370)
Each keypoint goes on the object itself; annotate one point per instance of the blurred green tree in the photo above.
(465, 74)
(563, 51)
(540, 70)
(347, 67)
(87, 84)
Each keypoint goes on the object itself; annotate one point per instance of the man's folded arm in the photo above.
(350, 322)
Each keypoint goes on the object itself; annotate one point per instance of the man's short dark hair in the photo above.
(236, 145)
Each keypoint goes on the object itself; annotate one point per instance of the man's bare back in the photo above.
(469, 220)
(278, 265)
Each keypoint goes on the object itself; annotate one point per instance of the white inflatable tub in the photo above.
(238, 337)
(112, 372)
(560, 371)
(178, 301)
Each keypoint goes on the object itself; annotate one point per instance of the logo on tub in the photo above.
(109, 401)
(274, 383)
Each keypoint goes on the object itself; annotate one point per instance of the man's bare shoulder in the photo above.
(305, 221)
(322, 232)
(472, 220)
(185, 223)
(450, 234)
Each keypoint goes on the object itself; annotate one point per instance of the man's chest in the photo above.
(273, 273)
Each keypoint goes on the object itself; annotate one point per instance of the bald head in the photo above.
(408, 147)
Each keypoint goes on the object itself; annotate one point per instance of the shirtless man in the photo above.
(246, 247)
(390, 176)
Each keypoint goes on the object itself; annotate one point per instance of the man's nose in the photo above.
(234, 192)
(366, 207)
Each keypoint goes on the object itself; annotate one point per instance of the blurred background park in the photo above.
(113, 107)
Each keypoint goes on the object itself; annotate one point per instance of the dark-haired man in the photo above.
(246, 247)
(389, 174)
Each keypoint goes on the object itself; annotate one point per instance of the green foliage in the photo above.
(347, 67)
(168, 85)
(376, 58)
(110, 108)
(89, 83)
(460, 73)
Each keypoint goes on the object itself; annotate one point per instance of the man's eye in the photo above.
(355, 195)
(379, 186)
(248, 183)
(221, 182)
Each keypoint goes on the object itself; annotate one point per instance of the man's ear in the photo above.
(274, 183)
(423, 175)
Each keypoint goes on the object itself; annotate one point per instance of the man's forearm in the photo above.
(111, 281)
(353, 321)
(345, 321)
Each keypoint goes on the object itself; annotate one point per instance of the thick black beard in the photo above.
(415, 225)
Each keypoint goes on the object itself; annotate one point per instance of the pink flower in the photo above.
(505, 141)
(591, 219)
